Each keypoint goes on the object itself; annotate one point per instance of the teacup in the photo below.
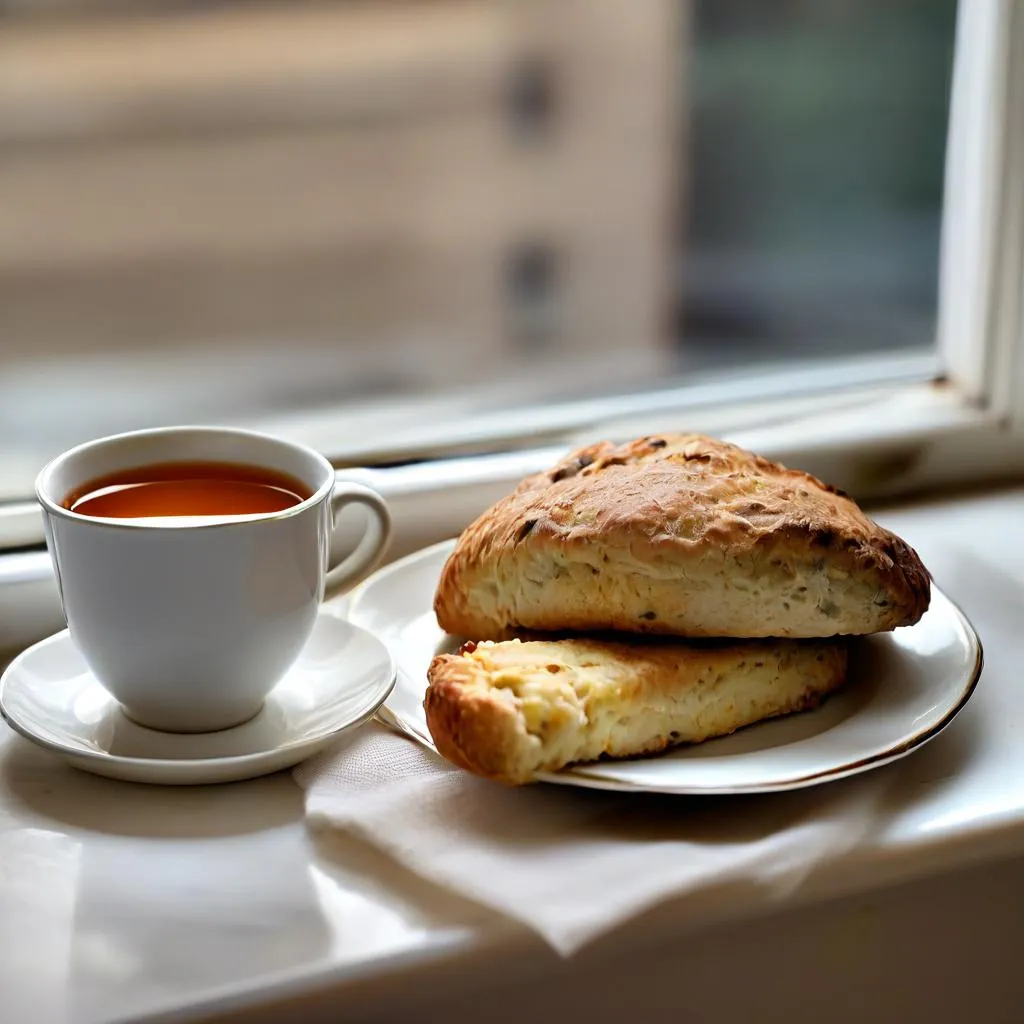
(190, 622)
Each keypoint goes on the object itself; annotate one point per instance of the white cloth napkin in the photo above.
(569, 863)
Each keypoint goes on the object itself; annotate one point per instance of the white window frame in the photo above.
(879, 427)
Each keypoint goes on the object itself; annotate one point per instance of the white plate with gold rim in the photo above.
(341, 678)
(904, 688)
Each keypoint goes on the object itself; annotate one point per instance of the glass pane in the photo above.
(237, 211)
(817, 149)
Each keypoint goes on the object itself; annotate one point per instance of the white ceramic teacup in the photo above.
(190, 623)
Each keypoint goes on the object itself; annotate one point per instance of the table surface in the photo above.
(119, 901)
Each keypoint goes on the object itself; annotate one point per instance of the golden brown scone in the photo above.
(678, 535)
(512, 709)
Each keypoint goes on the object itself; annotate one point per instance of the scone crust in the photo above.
(470, 728)
(681, 535)
(509, 710)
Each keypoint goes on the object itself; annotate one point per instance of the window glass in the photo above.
(816, 156)
(223, 212)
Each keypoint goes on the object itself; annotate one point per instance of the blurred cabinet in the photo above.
(438, 190)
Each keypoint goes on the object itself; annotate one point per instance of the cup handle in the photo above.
(371, 547)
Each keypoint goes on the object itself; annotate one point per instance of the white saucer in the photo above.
(341, 678)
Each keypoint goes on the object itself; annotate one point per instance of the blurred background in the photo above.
(226, 211)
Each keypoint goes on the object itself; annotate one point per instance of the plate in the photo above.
(903, 688)
(339, 681)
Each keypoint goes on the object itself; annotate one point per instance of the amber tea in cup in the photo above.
(187, 489)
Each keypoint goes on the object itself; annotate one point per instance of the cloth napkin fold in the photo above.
(570, 863)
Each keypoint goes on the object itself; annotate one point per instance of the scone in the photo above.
(679, 535)
(510, 710)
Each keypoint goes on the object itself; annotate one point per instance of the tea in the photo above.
(187, 489)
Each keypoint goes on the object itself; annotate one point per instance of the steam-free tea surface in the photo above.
(187, 489)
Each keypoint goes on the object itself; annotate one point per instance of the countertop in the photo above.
(120, 901)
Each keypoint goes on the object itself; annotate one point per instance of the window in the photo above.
(252, 211)
(421, 231)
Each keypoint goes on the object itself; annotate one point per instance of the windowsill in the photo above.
(877, 442)
(954, 804)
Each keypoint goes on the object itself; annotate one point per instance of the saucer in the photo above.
(342, 677)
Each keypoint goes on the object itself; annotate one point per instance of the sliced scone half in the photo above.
(511, 709)
(679, 535)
